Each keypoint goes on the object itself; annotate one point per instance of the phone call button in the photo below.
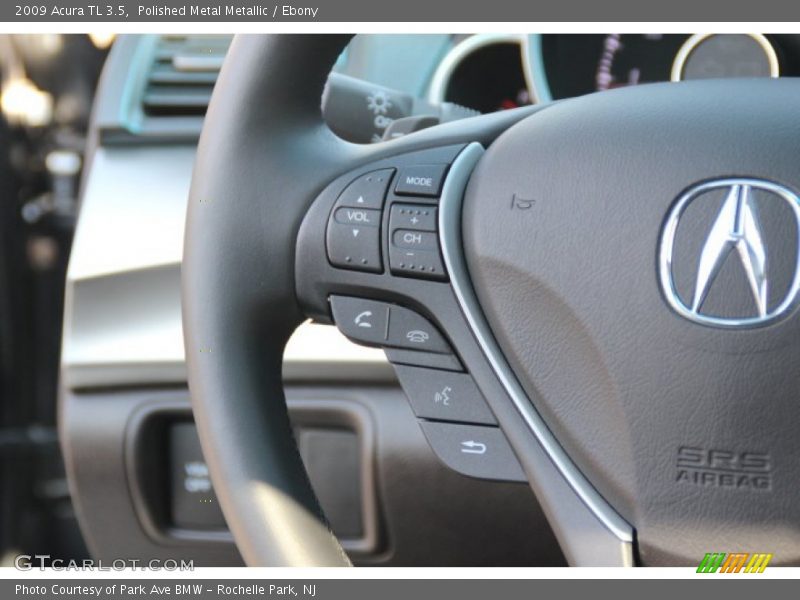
(383, 324)
(409, 330)
(361, 320)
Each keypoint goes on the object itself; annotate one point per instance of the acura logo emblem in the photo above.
(735, 231)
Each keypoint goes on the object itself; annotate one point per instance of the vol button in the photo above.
(354, 246)
(358, 216)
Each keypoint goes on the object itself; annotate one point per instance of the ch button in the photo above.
(414, 242)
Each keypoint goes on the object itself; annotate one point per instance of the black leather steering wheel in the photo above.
(567, 245)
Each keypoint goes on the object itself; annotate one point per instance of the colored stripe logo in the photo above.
(735, 562)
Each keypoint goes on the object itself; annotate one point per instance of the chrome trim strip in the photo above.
(698, 38)
(451, 242)
(441, 77)
(533, 67)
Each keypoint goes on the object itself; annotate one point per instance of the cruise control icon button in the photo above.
(444, 395)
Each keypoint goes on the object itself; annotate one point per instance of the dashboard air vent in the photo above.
(183, 74)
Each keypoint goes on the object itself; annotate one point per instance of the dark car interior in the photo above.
(415, 285)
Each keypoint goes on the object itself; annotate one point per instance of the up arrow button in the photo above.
(367, 191)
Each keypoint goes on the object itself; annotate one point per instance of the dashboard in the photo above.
(137, 474)
(126, 419)
(497, 71)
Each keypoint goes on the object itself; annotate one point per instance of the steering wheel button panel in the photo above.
(400, 356)
(368, 191)
(414, 242)
(409, 330)
(354, 229)
(364, 321)
(420, 180)
(444, 395)
(357, 216)
(383, 324)
(416, 263)
(420, 217)
(354, 246)
(473, 450)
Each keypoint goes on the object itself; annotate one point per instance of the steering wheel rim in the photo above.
(235, 329)
(239, 299)
(231, 324)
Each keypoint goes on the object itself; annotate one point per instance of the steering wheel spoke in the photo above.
(264, 156)
(531, 275)
(380, 255)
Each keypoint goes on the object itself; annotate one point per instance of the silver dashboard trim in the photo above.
(694, 41)
(451, 242)
(122, 314)
(441, 77)
(533, 68)
(539, 86)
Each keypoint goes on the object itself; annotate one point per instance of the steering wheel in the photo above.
(617, 274)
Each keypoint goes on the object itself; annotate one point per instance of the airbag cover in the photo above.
(689, 431)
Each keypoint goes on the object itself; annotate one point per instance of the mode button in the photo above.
(420, 180)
